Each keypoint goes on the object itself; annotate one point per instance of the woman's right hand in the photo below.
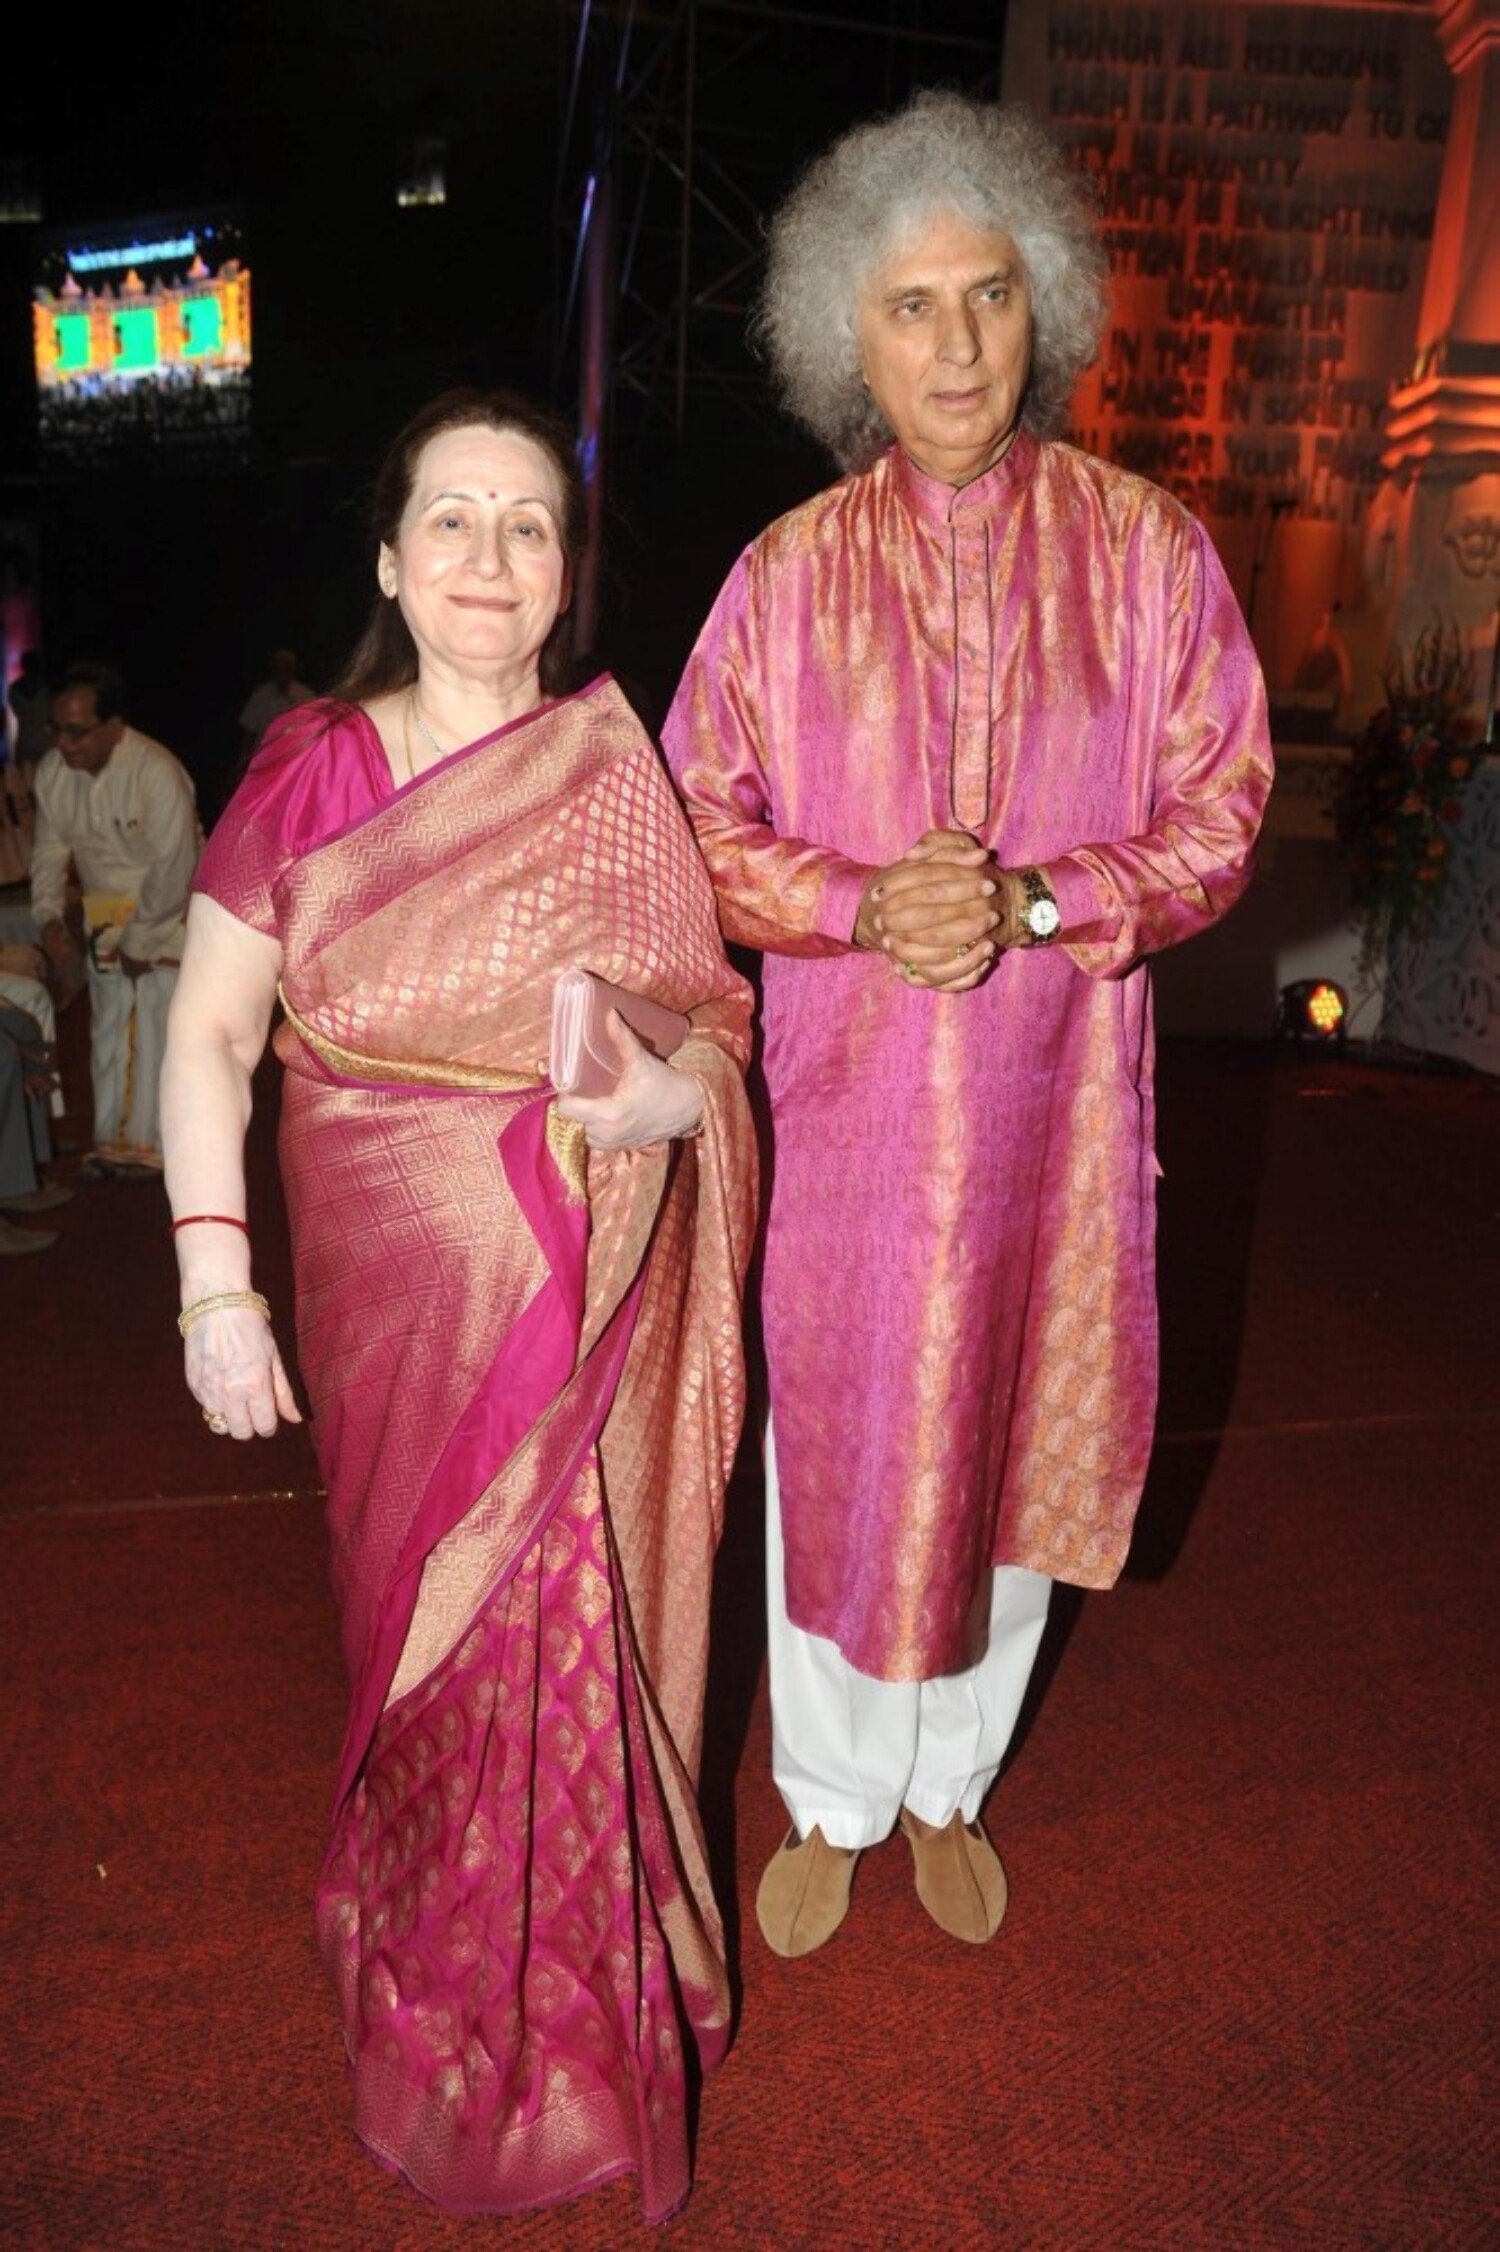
(235, 1371)
(652, 1101)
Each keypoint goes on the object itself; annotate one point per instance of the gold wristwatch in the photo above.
(1040, 918)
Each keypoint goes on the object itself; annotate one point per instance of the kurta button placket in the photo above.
(974, 652)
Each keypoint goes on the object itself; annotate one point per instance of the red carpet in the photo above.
(1244, 1997)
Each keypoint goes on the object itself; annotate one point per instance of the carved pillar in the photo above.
(1434, 530)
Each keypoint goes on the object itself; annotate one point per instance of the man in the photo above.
(19, 752)
(27, 698)
(966, 737)
(283, 692)
(121, 808)
(28, 1078)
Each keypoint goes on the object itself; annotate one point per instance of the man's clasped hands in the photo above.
(942, 912)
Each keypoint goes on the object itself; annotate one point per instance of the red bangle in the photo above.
(220, 1219)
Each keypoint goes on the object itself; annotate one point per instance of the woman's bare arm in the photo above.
(216, 1034)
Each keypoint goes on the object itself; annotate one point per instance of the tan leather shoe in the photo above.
(16, 1242)
(959, 1878)
(45, 1198)
(804, 1894)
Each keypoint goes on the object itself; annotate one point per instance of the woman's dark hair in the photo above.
(385, 656)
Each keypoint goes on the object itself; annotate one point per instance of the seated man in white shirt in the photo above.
(121, 808)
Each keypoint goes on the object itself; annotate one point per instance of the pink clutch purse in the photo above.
(583, 1055)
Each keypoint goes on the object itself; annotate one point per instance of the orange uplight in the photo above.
(1313, 1009)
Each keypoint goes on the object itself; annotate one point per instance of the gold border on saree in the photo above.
(481, 1078)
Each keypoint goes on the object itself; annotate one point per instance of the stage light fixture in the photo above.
(1313, 1009)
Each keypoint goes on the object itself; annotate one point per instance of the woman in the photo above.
(516, 1319)
(966, 737)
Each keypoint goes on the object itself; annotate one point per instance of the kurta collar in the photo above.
(929, 498)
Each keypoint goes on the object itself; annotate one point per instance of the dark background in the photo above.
(295, 112)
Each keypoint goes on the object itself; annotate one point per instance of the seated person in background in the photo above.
(28, 1078)
(22, 746)
(28, 701)
(121, 808)
(15, 822)
(517, 1320)
(281, 693)
(24, 986)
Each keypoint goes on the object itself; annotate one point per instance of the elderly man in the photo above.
(121, 808)
(965, 738)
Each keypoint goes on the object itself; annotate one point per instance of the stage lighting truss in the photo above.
(1314, 1010)
(684, 123)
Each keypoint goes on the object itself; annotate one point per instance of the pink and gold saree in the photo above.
(524, 1362)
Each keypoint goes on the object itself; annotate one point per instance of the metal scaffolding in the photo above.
(685, 121)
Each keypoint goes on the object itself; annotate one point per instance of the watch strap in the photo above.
(1041, 929)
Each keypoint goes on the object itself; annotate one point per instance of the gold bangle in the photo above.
(193, 1314)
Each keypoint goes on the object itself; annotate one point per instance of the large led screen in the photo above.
(141, 341)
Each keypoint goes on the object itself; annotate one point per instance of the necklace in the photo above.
(412, 710)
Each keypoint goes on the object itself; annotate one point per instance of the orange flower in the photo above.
(1411, 803)
(1459, 767)
(1436, 847)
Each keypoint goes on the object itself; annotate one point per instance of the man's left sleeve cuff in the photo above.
(1090, 915)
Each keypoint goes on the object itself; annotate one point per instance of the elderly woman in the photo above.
(966, 737)
(517, 1320)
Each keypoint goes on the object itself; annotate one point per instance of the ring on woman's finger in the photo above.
(910, 968)
(217, 1423)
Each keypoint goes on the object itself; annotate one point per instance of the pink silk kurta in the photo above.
(959, 1297)
(524, 1366)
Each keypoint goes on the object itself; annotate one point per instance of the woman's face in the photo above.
(478, 565)
(944, 331)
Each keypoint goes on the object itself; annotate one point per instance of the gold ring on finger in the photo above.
(218, 1424)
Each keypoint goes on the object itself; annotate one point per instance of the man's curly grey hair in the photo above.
(869, 193)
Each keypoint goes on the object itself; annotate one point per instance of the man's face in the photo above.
(83, 738)
(945, 340)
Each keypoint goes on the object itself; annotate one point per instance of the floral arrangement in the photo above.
(1401, 796)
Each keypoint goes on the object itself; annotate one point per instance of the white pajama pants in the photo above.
(127, 1040)
(848, 1751)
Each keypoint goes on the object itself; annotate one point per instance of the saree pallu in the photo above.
(525, 1367)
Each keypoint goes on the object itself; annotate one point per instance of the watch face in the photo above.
(1042, 918)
